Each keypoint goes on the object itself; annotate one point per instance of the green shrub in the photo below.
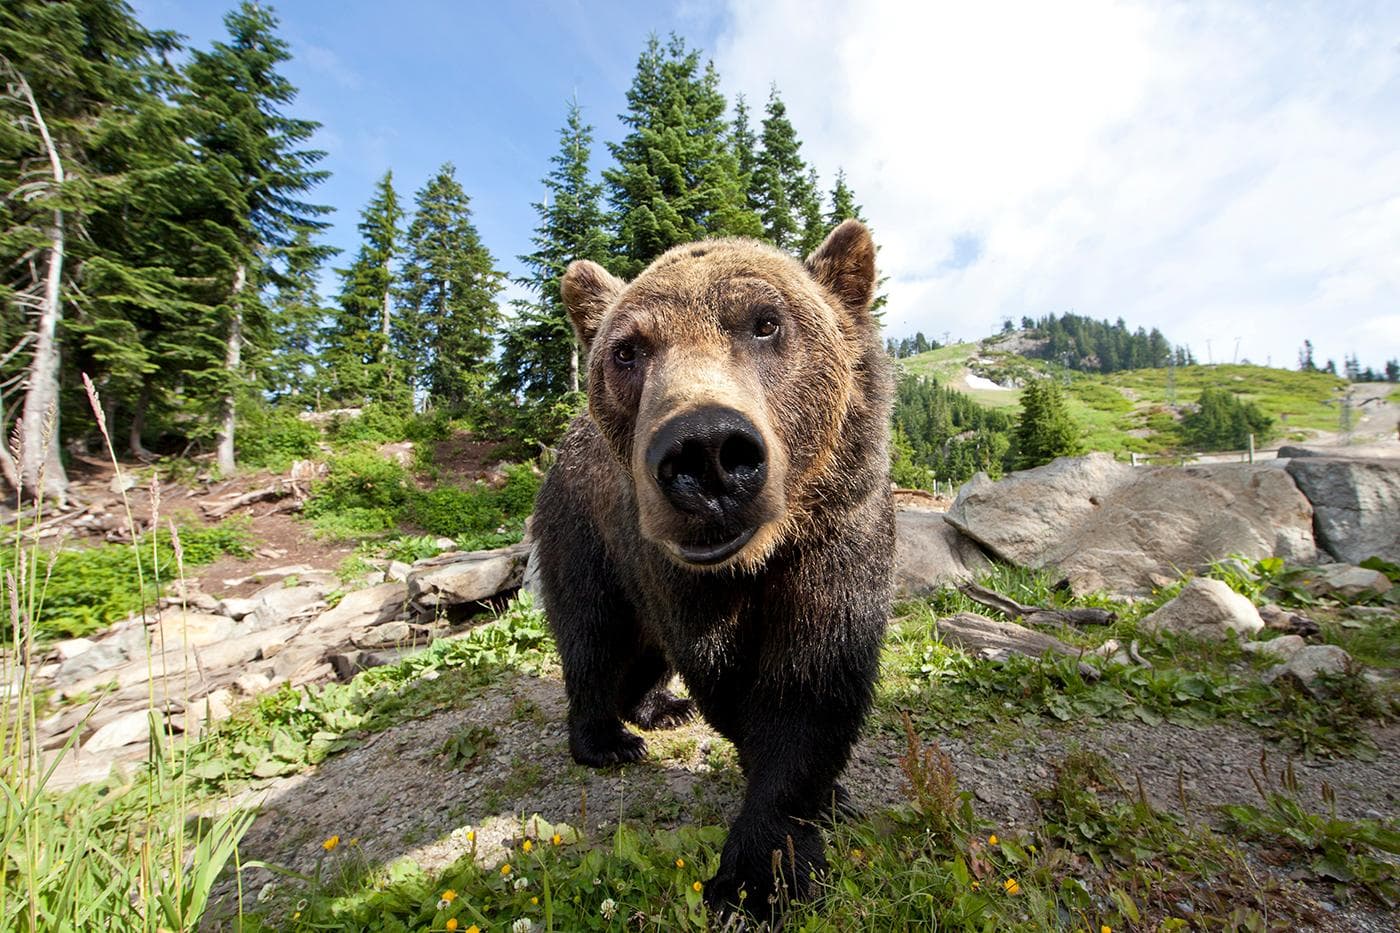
(455, 512)
(359, 479)
(83, 589)
(271, 438)
(516, 498)
(377, 423)
(1223, 421)
(354, 522)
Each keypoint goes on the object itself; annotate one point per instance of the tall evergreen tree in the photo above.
(677, 178)
(356, 347)
(82, 110)
(809, 209)
(539, 356)
(255, 153)
(744, 144)
(298, 317)
(1045, 429)
(450, 314)
(843, 202)
(784, 193)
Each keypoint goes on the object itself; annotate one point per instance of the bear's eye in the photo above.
(625, 355)
(766, 325)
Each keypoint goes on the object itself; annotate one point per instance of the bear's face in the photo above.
(720, 378)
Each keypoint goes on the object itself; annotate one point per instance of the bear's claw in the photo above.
(601, 746)
(660, 709)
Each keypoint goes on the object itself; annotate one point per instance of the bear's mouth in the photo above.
(705, 555)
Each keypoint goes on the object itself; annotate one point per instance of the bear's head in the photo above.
(727, 379)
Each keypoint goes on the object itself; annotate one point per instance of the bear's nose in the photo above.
(708, 462)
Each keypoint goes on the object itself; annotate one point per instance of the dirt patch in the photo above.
(464, 460)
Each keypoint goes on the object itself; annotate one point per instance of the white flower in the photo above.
(608, 908)
(521, 883)
(523, 925)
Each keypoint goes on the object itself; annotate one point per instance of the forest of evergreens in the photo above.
(160, 233)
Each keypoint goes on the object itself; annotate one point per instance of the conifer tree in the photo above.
(744, 145)
(677, 178)
(254, 153)
(291, 370)
(80, 113)
(1045, 429)
(784, 193)
(809, 209)
(450, 314)
(357, 351)
(843, 202)
(539, 356)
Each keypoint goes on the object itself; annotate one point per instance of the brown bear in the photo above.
(722, 511)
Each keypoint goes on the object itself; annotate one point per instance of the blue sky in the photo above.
(1224, 171)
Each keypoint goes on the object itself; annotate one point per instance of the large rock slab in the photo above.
(1205, 608)
(930, 553)
(360, 609)
(1356, 504)
(460, 578)
(1109, 526)
(1344, 581)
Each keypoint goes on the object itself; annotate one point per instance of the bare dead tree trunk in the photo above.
(233, 356)
(41, 472)
(573, 367)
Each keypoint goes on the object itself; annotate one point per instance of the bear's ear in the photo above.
(588, 289)
(845, 264)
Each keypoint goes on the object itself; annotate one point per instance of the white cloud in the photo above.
(1220, 172)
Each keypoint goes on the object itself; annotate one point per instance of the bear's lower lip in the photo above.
(706, 554)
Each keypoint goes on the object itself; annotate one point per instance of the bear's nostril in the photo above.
(688, 460)
(740, 456)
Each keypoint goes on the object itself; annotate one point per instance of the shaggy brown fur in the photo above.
(723, 512)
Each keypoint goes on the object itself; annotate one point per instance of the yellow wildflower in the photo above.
(471, 835)
(992, 839)
(449, 895)
(680, 863)
(331, 843)
(1012, 886)
(526, 846)
(556, 839)
(696, 887)
(473, 929)
(534, 900)
(857, 855)
(451, 923)
(976, 885)
(1105, 929)
(505, 869)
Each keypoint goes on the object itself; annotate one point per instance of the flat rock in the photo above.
(102, 656)
(361, 609)
(930, 553)
(175, 628)
(1344, 581)
(237, 607)
(1356, 503)
(1283, 648)
(1205, 608)
(70, 648)
(459, 578)
(1109, 526)
(384, 636)
(1310, 662)
(278, 604)
(126, 729)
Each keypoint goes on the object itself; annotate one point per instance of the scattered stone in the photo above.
(252, 683)
(398, 571)
(1356, 502)
(102, 656)
(123, 482)
(297, 658)
(214, 707)
(70, 648)
(237, 608)
(929, 553)
(124, 730)
(1205, 608)
(1109, 526)
(460, 578)
(1305, 666)
(1283, 620)
(383, 636)
(1284, 647)
(278, 604)
(1370, 613)
(175, 628)
(530, 581)
(1344, 581)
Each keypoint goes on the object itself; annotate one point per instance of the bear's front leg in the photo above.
(792, 757)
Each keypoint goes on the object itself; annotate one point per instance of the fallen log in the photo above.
(1036, 615)
(218, 510)
(995, 641)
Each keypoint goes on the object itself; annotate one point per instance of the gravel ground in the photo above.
(398, 795)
